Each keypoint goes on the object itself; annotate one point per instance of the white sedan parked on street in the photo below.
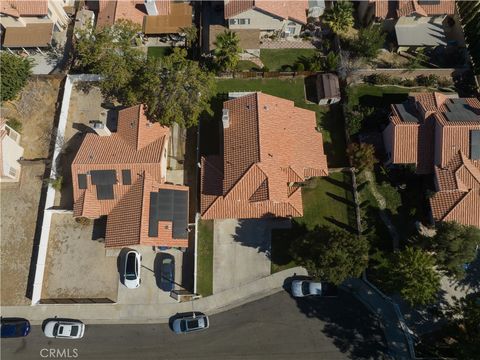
(73, 329)
(302, 288)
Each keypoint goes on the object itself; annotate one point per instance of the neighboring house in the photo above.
(328, 89)
(122, 176)
(282, 17)
(417, 23)
(83, 20)
(270, 147)
(249, 40)
(441, 134)
(30, 24)
(10, 153)
(154, 17)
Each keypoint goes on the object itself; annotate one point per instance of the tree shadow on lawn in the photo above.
(472, 275)
(354, 330)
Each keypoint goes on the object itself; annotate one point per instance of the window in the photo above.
(239, 21)
(290, 30)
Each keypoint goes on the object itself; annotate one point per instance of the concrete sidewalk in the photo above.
(157, 313)
(384, 309)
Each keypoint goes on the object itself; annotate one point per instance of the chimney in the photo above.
(225, 119)
(100, 128)
(151, 7)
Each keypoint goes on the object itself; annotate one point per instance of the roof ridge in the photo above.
(458, 202)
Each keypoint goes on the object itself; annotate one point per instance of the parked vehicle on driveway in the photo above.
(190, 323)
(15, 327)
(303, 288)
(131, 276)
(167, 273)
(64, 329)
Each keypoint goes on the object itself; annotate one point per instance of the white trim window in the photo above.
(239, 21)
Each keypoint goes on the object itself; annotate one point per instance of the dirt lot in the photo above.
(35, 109)
(76, 265)
(19, 202)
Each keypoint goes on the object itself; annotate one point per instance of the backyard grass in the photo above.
(277, 59)
(329, 119)
(326, 201)
(245, 65)
(159, 51)
(205, 258)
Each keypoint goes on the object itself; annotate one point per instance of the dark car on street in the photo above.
(15, 327)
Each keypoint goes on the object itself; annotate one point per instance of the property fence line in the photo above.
(265, 74)
(50, 198)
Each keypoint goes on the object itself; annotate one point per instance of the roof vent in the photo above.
(100, 128)
(225, 118)
(265, 107)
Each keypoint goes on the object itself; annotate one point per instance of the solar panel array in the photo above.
(475, 145)
(406, 112)
(104, 181)
(459, 110)
(169, 205)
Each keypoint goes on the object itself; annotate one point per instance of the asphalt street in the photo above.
(276, 327)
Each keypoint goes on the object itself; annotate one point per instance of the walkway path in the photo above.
(157, 313)
(382, 204)
(384, 308)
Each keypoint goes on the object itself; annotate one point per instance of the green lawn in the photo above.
(329, 119)
(275, 59)
(377, 96)
(205, 258)
(159, 51)
(245, 65)
(326, 201)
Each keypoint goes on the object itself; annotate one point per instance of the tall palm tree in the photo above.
(227, 50)
(340, 16)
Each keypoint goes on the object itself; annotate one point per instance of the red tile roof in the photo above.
(391, 9)
(134, 10)
(18, 8)
(285, 9)
(256, 176)
(438, 145)
(458, 198)
(140, 147)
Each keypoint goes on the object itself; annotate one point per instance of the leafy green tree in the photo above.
(227, 50)
(173, 88)
(454, 245)
(176, 89)
(191, 35)
(412, 273)
(416, 60)
(369, 41)
(330, 62)
(14, 71)
(340, 16)
(110, 52)
(330, 254)
(464, 319)
(362, 156)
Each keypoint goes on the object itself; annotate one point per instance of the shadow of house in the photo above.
(99, 229)
(354, 330)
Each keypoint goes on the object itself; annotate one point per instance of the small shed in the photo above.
(328, 89)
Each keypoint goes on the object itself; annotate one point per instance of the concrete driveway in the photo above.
(149, 291)
(241, 252)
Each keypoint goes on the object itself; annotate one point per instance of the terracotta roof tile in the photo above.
(139, 148)
(134, 10)
(285, 9)
(256, 171)
(395, 8)
(18, 8)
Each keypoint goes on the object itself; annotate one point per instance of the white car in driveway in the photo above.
(72, 329)
(131, 276)
(303, 288)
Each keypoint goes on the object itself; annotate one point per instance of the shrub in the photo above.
(55, 183)
(265, 69)
(378, 79)
(427, 80)
(14, 74)
(409, 82)
(299, 67)
(445, 82)
(15, 125)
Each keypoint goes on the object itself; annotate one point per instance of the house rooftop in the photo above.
(19, 8)
(328, 86)
(285, 9)
(115, 176)
(396, 8)
(255, 177)
(134, 10)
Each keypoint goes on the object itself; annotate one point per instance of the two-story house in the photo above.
(30, 24)
(440, 134)
(10, 152)
(281, 17)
